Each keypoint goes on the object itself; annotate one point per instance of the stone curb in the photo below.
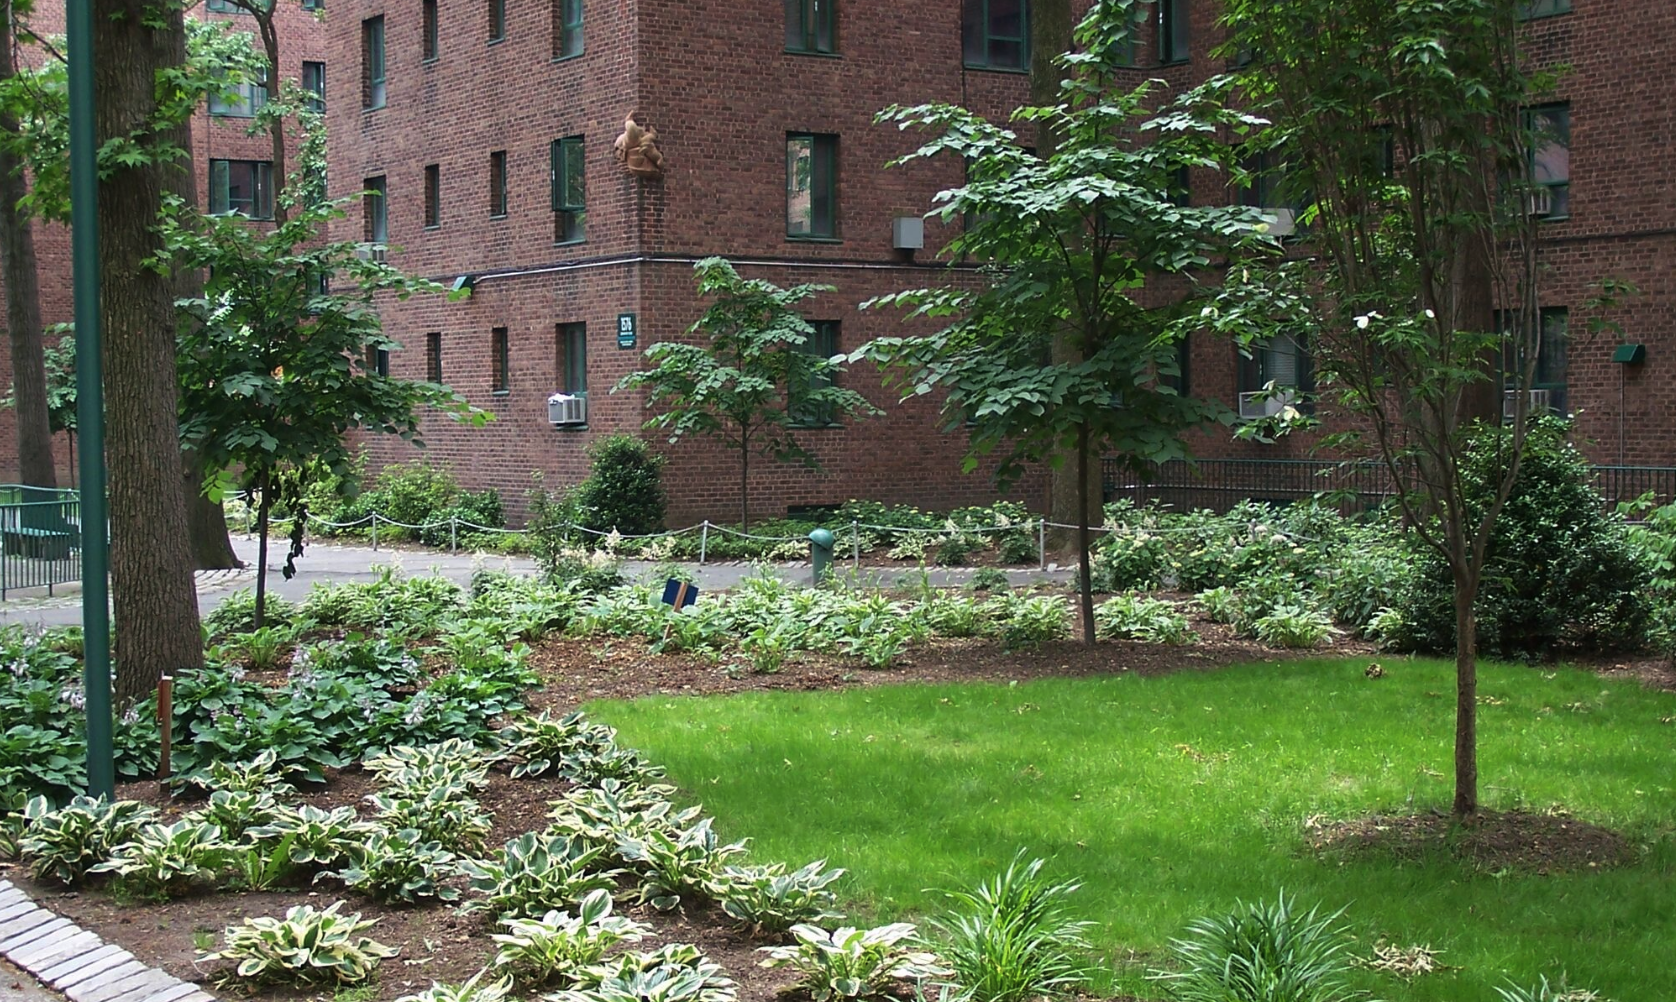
(68, 958)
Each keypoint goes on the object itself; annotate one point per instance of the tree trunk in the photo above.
(1475, 306)
(1466, 701)
(35, 467)
(262, 511)
(212, 550)
(744, 485)
(1085, 578)
(155, 603)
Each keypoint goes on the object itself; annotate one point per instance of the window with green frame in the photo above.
(811, 186)
(433, 196)
(1173, 21)
(497, 184)
(1529, 10)
(243, 101)
(314, 82)
(1552, 340)
(1282, 361)
(572, 343)
(1549, 160)
(500, 360)
(242, 187)
(821, 343)
(430, 33)
(812, 26)
(567, 28)
(568, 174)
(375, 211)
(995, 34)
(497, 20)
(372, 63)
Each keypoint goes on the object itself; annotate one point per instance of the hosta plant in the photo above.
(676, 972)
(475, 989)
(1031, 622)
(603, 816)
(401, 867)
(164, 859)
(444, 815)
(1261, 952)
(1221, 604)
(558, 944)
(1293, 626)
(535, 874)
(1011, 940)
(591, 765)
(307, 945)
(767, 900)
(539, 744)
(261, 774)
(676, 865)
(67, 842)
(1138, 617)
(316, 838)
(237, 811)
(408, 770)
(849, 963)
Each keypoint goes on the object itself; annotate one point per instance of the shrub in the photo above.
(236, 812)
(1129, 559)
(1293, 626)
(538, 744)
(623, 491)
(1137, 617)
(1030, 622)
(401, 867)
(1261, 953)
(444, 815)
(537, 950)
(1221, 604)
(1011, 939)
(1559, 573)
(314, 837)
(990, 579)
(850, 963)
(534, 874)
(418, 770)
(307, 945)
(767, 899)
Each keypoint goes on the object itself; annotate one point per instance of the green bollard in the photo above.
(821, 542)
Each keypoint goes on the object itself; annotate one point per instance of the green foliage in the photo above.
(1011, 939)
(1136, 617)
(307, 946)
(623, 490)
(166, 859)
(534, 874)
(444, 814)
(849, 963)
(1031, 622)
(401, 866)
(601, 816)
(1293, 626)
(415, 493)
(990, 579)
(262, 649)
(1559, 573)
(1542, 991)
(540, 743)
(752, 382)
(471, 991)
(69, 842)
(314, 838)
(446, 764)
(767, 900)
(1261, 952)
(675, 972)
(235, 812)
(236, 614)
(559, 945)
(672, 865)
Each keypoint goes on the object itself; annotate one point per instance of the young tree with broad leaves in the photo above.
(753, 382)
(1403, 132)
(277, 371)
(1063, 346)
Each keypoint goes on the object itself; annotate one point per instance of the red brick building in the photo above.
(233, 170)
(490, 127)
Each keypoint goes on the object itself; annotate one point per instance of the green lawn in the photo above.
(1171, 797)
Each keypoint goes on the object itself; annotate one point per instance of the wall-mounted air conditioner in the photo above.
(907, 233)
(1539, 404)
(567, 409)
(1541, 202)
(371, 252)
(1282, 222)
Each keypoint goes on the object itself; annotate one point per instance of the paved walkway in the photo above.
(335, 563)
(16, 986)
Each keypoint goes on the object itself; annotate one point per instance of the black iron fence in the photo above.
(40, 538)
(1219, 484)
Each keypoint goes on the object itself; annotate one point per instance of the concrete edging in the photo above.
(67, 958)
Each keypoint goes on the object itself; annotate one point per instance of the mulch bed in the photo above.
(1491, 840)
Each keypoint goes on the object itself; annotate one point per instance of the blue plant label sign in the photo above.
(679, 594)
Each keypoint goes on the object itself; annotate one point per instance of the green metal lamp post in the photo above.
(90, 401)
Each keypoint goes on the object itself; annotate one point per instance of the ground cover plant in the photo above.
(1173, 797)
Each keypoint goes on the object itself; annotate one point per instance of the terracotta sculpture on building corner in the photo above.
(637, 149)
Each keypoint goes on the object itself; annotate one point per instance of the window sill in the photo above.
(430, 60)
(815, 427)
(433, 226)
(376, 107)
(566, 59)
(570, 427)
(496, 41)
(570, 243)
(1555, 219)
(494, 216)
(1528, 18)
(1021, 71)
(1167, 63)
(797, 238)
(814, 52)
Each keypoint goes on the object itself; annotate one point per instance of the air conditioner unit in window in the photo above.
(371, 252)
(1541, 202)
(1282, 222)
(1263, 404)
(567, 409)
(1539, 404)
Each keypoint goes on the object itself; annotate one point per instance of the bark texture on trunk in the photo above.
(212, 550)
(153, 597)
(1475, 304)
(1466, 703)
(23, 301)
(1085, 580)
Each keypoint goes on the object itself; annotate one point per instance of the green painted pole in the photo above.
(90, 402)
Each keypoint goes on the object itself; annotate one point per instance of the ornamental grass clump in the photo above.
(1012, 939)
(1261, 952)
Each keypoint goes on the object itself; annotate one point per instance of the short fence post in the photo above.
(375, 532)
(855, 541)
(453, 533)
(1041, 540)
(703, 541)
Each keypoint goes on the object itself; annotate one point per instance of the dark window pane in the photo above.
(428, 27)
(314, 81)
(573, 358)
(433, 356)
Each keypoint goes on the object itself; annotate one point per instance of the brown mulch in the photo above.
(1491, 841)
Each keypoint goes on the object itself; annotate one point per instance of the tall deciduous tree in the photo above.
(1403, 130)
(1071, 240)
(139, 47)
(274, 368)
(753, 382)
